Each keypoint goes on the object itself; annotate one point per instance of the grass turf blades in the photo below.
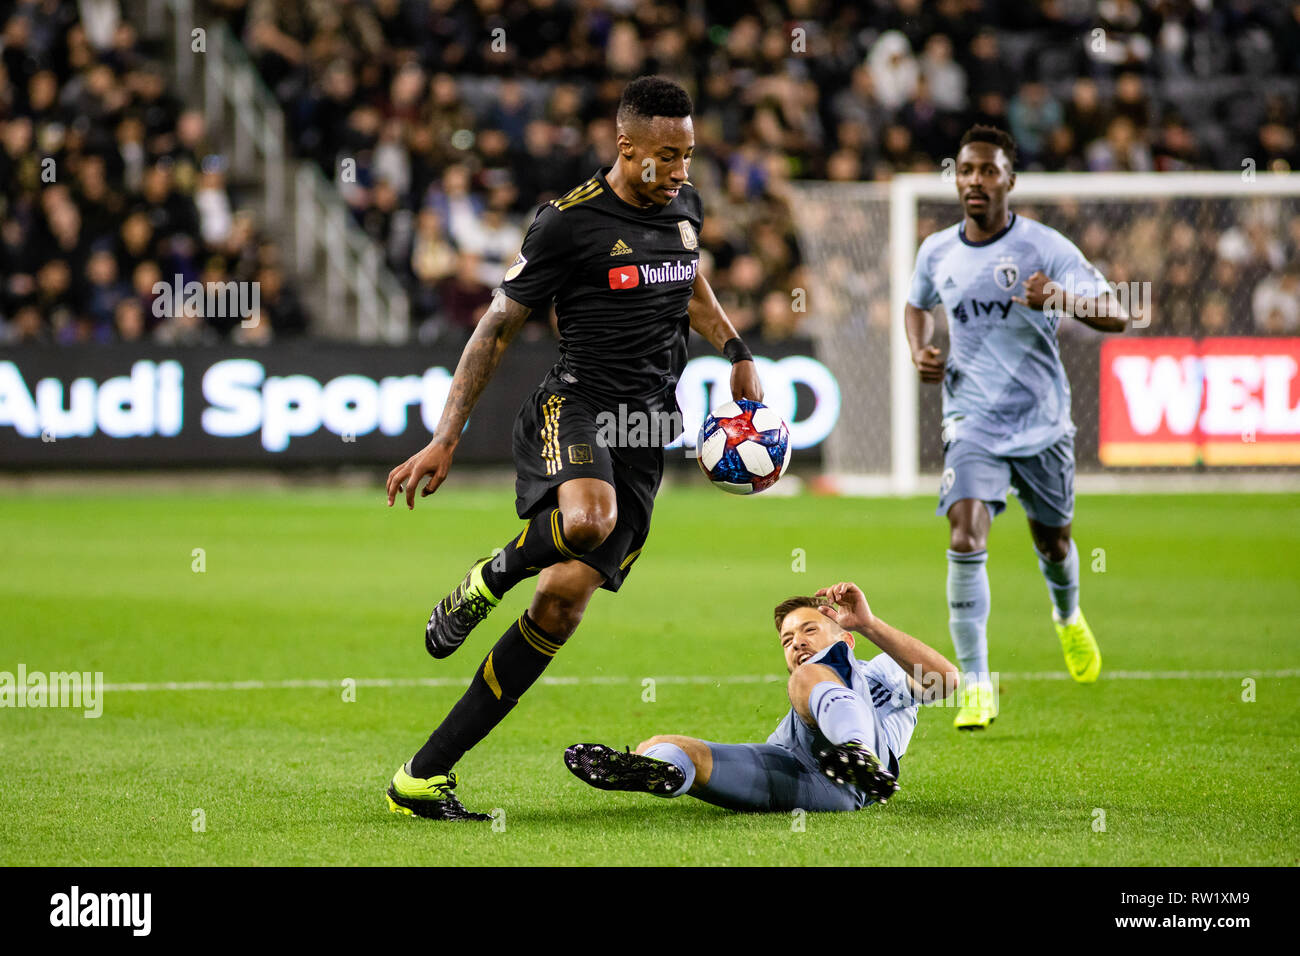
(329, 584)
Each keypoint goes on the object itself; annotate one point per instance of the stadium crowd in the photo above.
(463, 115)
(109, 187)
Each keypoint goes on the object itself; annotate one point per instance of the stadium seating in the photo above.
(439, 115)
(109, 185)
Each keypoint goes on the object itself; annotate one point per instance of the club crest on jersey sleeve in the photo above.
(516, 267)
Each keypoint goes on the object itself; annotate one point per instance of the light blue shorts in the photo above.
(1044, 482)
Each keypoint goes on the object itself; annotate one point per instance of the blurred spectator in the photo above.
(493, 238)
(1176, 148)
(947, 80)
(1121, 150)
(129, 321)
(1131, 100)
(103, 292)
(464, 296)
(1275, 303)
(893, 70)
(986, 67)
(279, 304)
(213, 203)
(1033, 114)
(1085, 116)
(1126, 37)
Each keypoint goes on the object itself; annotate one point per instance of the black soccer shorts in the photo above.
(556, 439)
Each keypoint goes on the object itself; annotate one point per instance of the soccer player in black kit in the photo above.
(619, 255)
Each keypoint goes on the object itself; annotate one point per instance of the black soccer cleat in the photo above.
(606, 769)
(852, 763)
(459, 612)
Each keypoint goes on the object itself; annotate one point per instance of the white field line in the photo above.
(334, 684)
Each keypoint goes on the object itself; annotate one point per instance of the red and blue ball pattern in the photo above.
(744, 447)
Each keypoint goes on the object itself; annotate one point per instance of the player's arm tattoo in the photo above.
(707, 315)
(478, 362)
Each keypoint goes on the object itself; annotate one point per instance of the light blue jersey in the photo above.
(880, 680)
(1005, 388)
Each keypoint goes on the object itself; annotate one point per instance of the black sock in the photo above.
(510, 668)
(541, 545)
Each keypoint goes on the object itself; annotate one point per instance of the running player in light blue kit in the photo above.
(839, 746)
(1005, 282)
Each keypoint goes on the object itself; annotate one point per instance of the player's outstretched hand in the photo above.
(432, 460)
(846, 605)
(1038, 289)
(744, 381)
(929, 362)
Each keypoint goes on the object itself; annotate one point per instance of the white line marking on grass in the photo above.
(1158, 675)
(312, 683)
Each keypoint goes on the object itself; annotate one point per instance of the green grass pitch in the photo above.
(328, 584)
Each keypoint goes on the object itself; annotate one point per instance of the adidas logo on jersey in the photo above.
(950, 284)
(621, 248)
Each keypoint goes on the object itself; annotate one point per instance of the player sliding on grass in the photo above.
(619, 255)
(839, 746)
(1005, 282)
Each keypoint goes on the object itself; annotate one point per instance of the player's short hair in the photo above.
(650, 96)
(991, 134)
(793, 604)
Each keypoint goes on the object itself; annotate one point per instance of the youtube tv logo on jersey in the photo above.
(629, 277)
(624, 277)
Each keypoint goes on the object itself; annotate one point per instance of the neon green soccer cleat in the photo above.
(979, 706)
(430, 798)
(1082, 655)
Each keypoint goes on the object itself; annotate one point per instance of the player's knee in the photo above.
(802, 682)
(810, 675)
(558, 613)
(965, 540)
(587, 526)
(1054, 547)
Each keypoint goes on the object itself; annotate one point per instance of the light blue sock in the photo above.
(1063, 582)
(968, 611)
(673, 754)
(842, 715)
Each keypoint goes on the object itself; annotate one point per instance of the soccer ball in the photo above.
(744, 447)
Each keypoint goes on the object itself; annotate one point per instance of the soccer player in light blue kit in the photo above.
(838, 747)
(1005, 282)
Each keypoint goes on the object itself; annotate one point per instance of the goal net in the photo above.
(1207, 381)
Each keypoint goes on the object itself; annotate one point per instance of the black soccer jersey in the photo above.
(621, 278)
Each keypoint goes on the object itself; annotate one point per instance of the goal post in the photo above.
(859, 242)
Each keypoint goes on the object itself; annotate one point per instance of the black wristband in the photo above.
(737, 351)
